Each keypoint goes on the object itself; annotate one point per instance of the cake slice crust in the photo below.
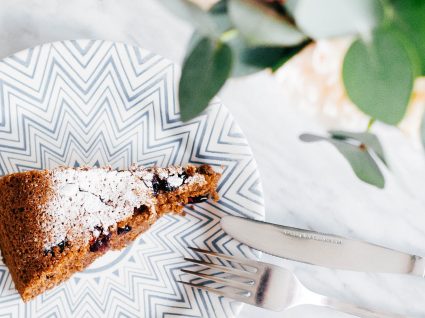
(54, 223)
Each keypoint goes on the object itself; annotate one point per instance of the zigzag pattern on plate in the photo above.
(97, 103)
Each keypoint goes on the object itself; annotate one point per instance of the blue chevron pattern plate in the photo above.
(98, 103)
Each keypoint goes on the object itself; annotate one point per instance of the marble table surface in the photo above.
(305, 185)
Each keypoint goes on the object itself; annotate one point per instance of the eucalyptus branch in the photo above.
(241, 37)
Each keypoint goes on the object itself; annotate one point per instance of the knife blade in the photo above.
(321, 249)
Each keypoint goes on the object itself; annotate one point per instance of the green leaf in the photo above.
(288, 54)
(260, 25)
(411, 51)
(332, 18)
(362, 163)
(410, 18)
(370, 140)
(194, 41)
(220, 7)
(204, 72)
(249, 60)
(378, 76)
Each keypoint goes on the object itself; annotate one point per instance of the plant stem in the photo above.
(370, 124)
(228, 35)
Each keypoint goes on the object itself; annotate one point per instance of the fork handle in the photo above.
(354, 310)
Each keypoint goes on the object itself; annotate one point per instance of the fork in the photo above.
(267, 286)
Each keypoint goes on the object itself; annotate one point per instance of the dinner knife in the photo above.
(321, 249)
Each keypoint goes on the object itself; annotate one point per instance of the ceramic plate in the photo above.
(102, 103)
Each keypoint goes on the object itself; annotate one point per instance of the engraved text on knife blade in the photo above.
(309, 236)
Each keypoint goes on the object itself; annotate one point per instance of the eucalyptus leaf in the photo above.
(204, 72)
(410, 18)
(220, 7)
(360, 160)
(378, 75)
(288, 53)
(242, 65)
(249, 60)
(260, 25)
(332, 18)
(194, 41)
(370, 140)
(411, 50)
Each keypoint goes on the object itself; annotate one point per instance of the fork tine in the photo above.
(219, 292)
(242, 261)
(227, 282)
(225, 269)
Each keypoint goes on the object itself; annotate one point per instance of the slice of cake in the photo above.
(54, 223)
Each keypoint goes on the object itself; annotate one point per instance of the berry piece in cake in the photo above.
(123, 230)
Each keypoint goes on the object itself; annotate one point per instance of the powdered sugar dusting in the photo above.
(85, 200)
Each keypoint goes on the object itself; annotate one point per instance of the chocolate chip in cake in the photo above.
(198, 199)
(140, 210)
(183, 176)
(159, 184)
(60, 247)
(101, 243)
(155, 184)
(165, 186)
(206, 169)
(123, 230)
(50, 251)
